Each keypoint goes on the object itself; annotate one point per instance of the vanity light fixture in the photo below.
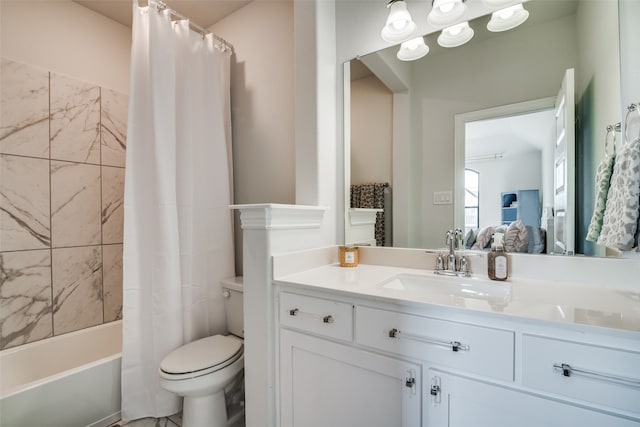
(413, 49)
(446, 12)
(508, 18)
(399, 26)
(456, 35)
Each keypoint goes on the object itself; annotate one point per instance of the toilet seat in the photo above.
(201, 357)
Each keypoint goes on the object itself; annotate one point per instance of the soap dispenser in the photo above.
(497, 259)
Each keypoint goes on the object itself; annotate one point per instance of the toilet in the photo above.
(201, 370)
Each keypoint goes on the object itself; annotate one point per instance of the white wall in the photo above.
(598, 99)
(66, 38)
(522, 171)
(371, 131)
(262, 100)
(629, 13)
(531, 63)
(318, 161)
(262, 105)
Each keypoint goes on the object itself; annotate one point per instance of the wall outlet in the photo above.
(442, 197)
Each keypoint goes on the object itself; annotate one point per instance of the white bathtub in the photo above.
(71, 380)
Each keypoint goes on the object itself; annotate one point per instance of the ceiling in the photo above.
(204, 13)
(509, 135)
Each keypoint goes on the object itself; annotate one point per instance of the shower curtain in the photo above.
(177, 223)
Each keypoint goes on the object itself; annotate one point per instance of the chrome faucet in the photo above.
(454, 268)
(452, 237)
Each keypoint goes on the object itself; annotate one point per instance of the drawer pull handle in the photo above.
(325, 319)
(435, 390)
(567, 371)
(453, 345)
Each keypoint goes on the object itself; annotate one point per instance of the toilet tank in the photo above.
(233, 305)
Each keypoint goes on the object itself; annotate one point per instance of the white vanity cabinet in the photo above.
(464, 347)
(326, 381)
(598, 374)
(347, 360)
(457, 401)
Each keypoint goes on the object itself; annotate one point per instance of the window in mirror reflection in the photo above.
(471, 199)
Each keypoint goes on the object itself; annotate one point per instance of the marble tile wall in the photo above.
(62, 158)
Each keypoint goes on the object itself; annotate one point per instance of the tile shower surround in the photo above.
(62, 158)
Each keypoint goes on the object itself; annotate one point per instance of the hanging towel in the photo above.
(620, 221)
(603, 181)
(371, 196)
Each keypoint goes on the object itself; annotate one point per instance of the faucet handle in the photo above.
(464, 264)
(459, 234)
(440, 262)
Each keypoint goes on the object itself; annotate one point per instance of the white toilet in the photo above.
(200, 370)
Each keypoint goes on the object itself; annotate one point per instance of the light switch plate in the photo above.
(442, 197)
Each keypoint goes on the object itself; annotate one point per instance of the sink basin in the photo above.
(495, 292)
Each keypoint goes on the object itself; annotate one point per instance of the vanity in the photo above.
(387, 345)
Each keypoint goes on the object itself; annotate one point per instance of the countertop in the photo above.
(543, 300)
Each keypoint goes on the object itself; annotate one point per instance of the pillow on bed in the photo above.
(516, 238)
(501, 229)
(470, 238)
(483, 239)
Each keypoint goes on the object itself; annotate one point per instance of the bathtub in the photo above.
(71, 380)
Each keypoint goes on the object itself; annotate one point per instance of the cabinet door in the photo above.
(460, 402)
(324, 384)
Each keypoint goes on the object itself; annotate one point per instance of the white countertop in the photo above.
(550, 301)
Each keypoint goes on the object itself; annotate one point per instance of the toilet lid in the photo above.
(201, 354)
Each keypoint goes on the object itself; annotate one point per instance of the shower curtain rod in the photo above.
(163, 6)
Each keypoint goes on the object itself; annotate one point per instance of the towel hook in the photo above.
(611, 130)
(630, 109)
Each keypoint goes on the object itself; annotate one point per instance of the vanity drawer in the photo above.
(601, 375)
(317, 315)
(475, 349)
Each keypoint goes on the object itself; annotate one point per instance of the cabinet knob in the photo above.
(327, 319)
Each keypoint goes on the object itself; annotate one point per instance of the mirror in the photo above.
(405, 118)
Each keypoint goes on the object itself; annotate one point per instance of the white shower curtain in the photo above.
(177, 223)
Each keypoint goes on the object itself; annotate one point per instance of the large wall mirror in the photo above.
(489, 107)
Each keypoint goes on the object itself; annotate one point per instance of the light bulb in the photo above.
(455, 30)
(412, 44)
(446, 12)
(413, 49)
(508, 18)
(446, 7)
(455, 35)
(506, 13)
(399, 25)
